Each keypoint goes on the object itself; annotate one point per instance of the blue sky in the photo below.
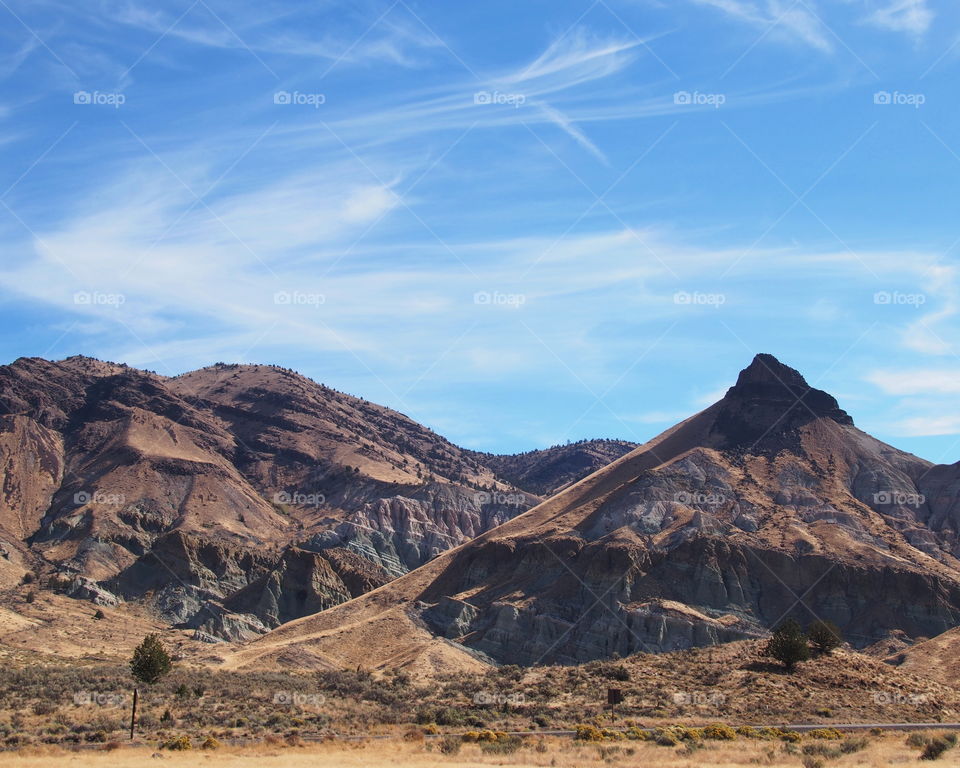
(519, 223)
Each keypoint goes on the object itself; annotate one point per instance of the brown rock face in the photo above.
(182, 491)
(767, 505)
(770, 503)
(32, 459)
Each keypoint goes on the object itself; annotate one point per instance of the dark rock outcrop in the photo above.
(768, 504)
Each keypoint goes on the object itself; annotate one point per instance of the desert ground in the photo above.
(559, 752)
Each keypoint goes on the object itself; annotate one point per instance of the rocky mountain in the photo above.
(768, 504)
(353, 474)
(937, 658)
(547, 471)
(230, 499)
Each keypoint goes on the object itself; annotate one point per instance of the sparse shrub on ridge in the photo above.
(824, 636)
(788, 645)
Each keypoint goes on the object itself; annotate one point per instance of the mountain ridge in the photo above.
(183, 490)
(693, 538)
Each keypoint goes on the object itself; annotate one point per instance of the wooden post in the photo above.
(133, 714)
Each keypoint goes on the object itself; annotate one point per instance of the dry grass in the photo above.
(554, 752)
(47, 702)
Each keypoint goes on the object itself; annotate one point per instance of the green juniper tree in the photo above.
(788, 644)
(824, 636)
(150, 662)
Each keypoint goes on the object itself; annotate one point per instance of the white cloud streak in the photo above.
(784, 18)
(911, 17)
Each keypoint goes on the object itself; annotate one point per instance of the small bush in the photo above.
(829, 734)
(849, 746)
(824, 636)
(665, 737)
(503, 745)
(616, 672)
(489, 737)
(769, 733)
(788, 645)
(178, 743)
(210, 743)
(44, 708)
(719, 732)
(935, 748)
(588, 733)
(450, 745)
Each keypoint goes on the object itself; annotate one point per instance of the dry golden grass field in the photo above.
(560, 752)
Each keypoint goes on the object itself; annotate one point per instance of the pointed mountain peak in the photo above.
(766, 369)
(771, 399)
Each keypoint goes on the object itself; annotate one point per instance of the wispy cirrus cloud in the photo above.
(372, 32)
(402, 196)
(572, 59)
(566, 125)
(927, 426)
(10, 63)
(780, 18)
(929, 334)
(938, 381)
(912, 17)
